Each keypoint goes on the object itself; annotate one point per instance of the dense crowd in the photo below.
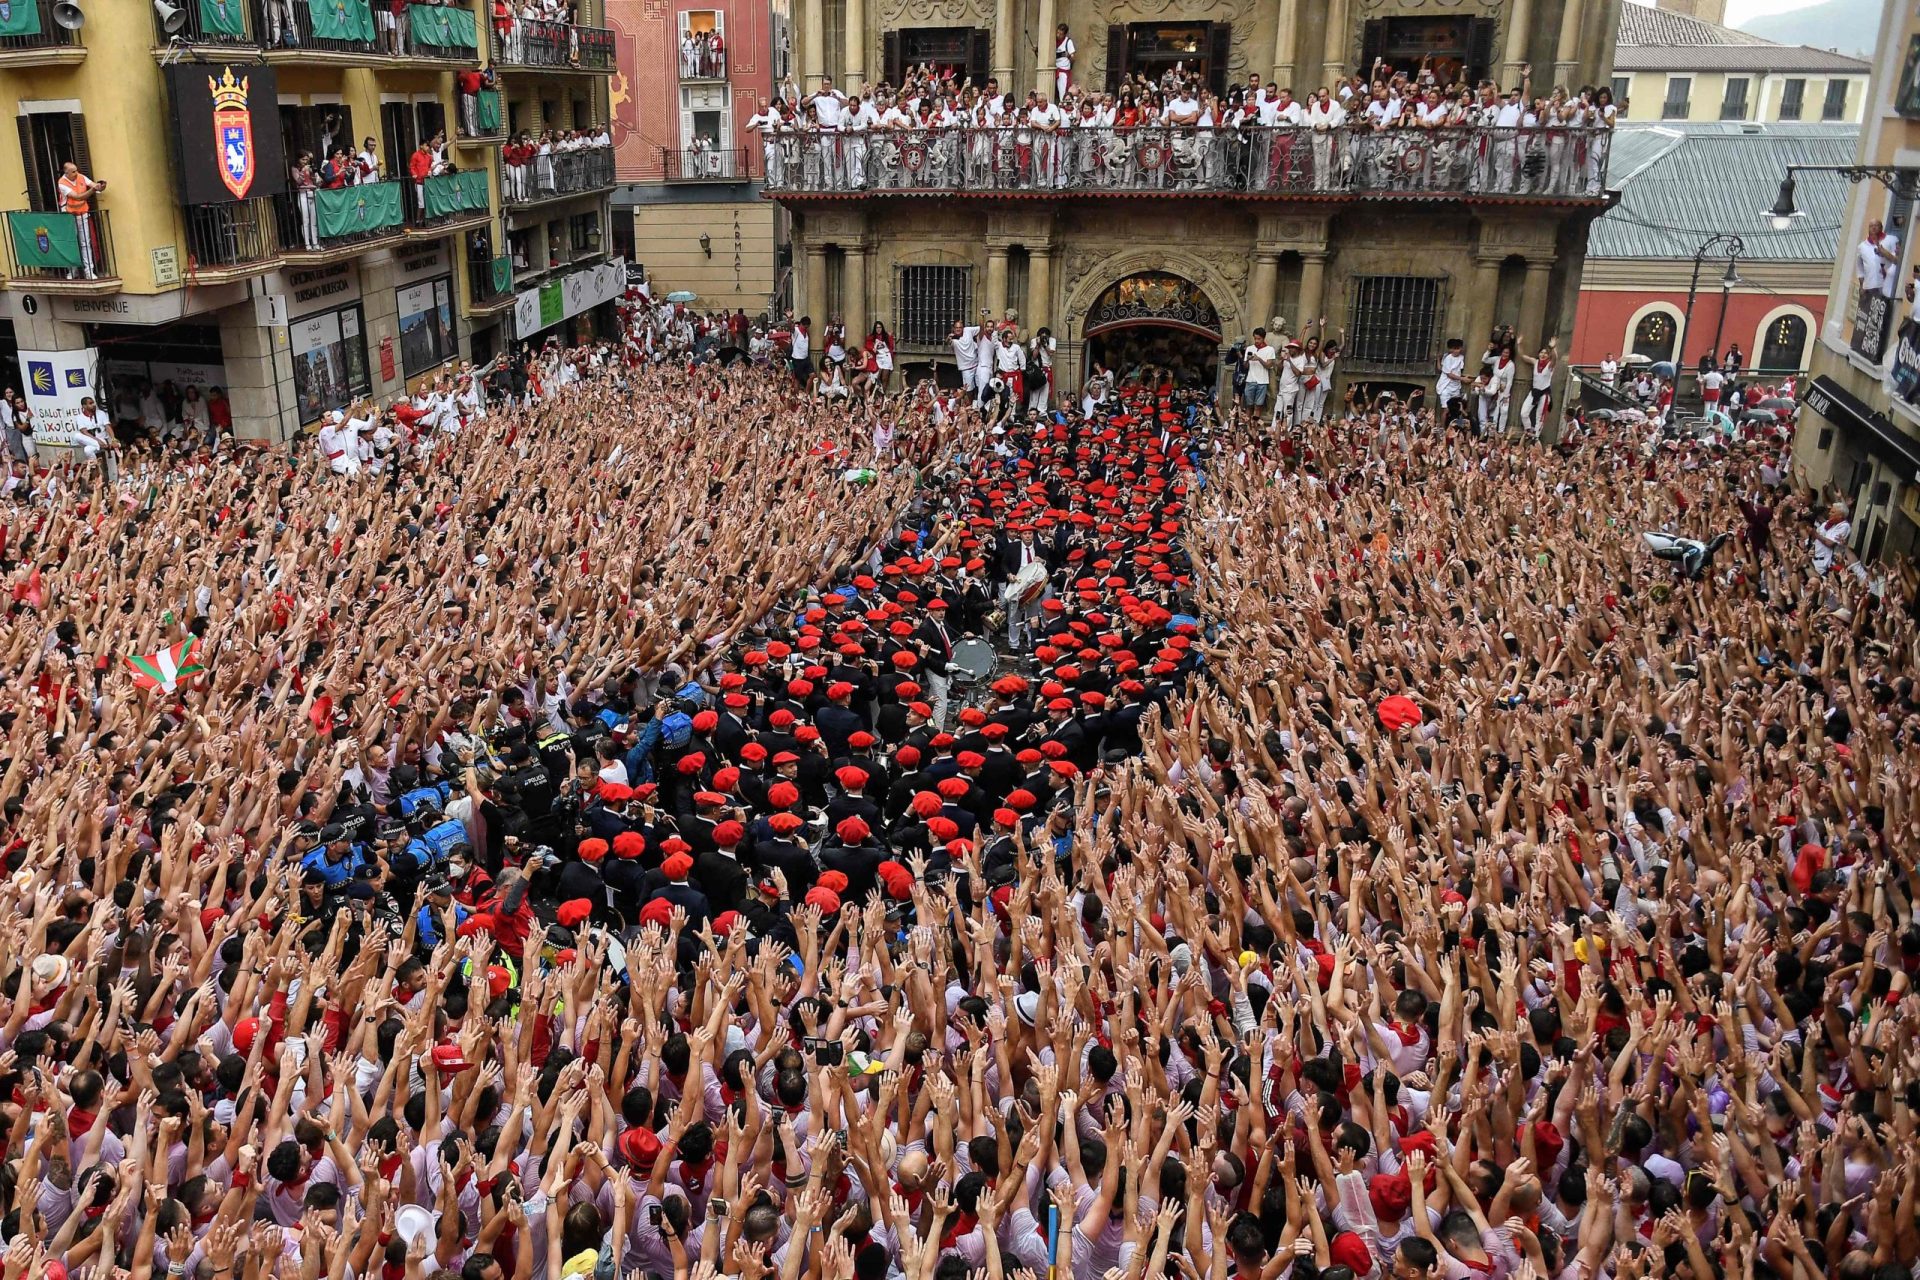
(590, 844)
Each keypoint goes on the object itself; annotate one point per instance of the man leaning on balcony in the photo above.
(76, 197)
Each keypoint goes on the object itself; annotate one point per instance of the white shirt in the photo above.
(1260, 364)
(830, 108)
(1510, 115)
(966, 347)
(1063, 54)
(1009, 357)
(802, 348)
(1452, 366)
(1838, 532)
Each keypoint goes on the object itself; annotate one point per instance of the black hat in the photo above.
(332, 833)
(439, 887)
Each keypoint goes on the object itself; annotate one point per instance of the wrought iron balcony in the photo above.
(31, 34)
(706, 164)
(552, 46)
(1293, 161)
(326, 220)
(61, 252)
(241, 236)
(550, 177)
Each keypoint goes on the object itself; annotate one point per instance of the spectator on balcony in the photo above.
(366, 165)
(393, 25)
(281, 28)
(543, 175)
(506, 30)
(516, 159)
(77, 192)
(420, 168)
(879, 348)
(470, 83)
(339, 172)
(305, 183)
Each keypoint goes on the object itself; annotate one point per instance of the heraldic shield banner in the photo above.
(45, 241)
(226, 131)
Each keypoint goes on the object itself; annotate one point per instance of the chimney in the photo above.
(1714, 11)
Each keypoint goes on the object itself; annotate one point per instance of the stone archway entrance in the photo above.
(1158, 322)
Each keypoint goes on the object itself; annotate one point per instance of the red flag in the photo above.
(321, 713)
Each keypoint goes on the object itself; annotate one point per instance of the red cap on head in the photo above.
(852, 830)
(593, 850)
(826, 899)
(629, 844)
(677, 866)
(571, 912)
(783, 795)
(728, 834)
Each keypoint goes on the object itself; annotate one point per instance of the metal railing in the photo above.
(222, 236)
(347, 28)
(560, 174)
(316, 221)
(483, 116)
(47, 247)
(703, 63)
(1286, 160)
(706, 164)
(489, 280)
(47, 34)
(447, 197)
(533, 42)
(224, 22)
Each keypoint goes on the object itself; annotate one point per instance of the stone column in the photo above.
(1479, 309)
(856, 59)
(1313, 280)
(1336, 54)
(1043, 59)
(1286, 38)
(813, 296)
(1533, 307)
(854, 288)
(1261, 290)
(997, 281)
(1519, 24)
(1039, 287)
(1566, 57)
(813, 45)
(1002, 43)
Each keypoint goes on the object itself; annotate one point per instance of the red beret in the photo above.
(952, 788)
(728, 834)
(834, 880)
(851, 777)
(659, 911)
(860, 739)
(907, 756)
(785, 824)
(839, 689)
(677, 866)
(783, 795)
(852, 830)
(629, 844)
(753, 753)
(706, 721)
(573, 911)
(724, 923)
(1006, 817)
(1022, 800)
(826, 899)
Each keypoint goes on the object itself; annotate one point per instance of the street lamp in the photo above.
(1902, 182)
(1736, 248)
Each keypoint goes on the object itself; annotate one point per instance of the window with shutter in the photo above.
(1116, 57)
(980, 56)
(1373, 45)
(397, 118)
(1219, 53)
(1793, 97)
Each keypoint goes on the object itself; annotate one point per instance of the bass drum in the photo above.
(972, 660)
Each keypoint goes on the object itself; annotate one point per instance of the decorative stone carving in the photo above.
(1245, 15)
(1088, 271)
(924, 13)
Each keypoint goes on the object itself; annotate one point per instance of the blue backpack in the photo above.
(676, 730)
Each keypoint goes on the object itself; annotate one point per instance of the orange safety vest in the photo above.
(74, 192)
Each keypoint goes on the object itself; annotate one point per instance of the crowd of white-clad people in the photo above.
(1393, 131)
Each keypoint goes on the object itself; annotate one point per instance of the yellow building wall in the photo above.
(1647, 95)
(118, 91)
(666, 238)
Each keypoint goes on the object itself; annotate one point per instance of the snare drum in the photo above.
(972, 660)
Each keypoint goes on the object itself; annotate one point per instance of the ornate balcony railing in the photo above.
(706, 164)
(532, 42)
(1169, 159)
(562, 173)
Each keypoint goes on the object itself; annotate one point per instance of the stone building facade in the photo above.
(1401, 248)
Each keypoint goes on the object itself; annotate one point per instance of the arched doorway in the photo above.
(1154, 320)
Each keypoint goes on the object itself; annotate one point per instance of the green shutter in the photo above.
(19, 18)
(45, 241)
(223, 18)
(488, 113)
